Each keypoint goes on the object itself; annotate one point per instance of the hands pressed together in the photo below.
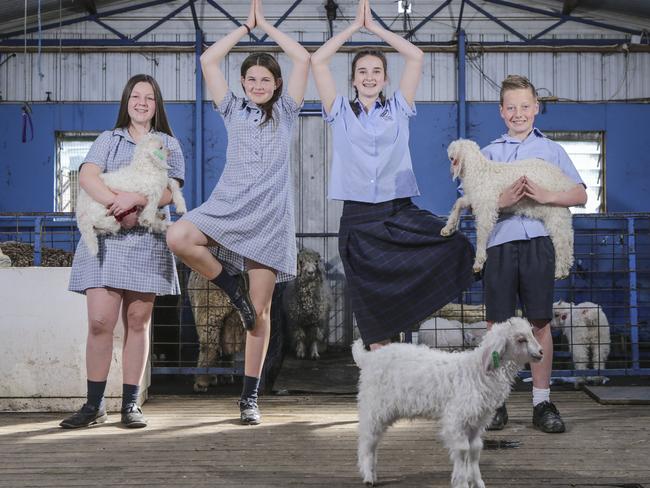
(524, 188)
(364, 17)
(256, 16)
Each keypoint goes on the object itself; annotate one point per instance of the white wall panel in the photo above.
(542, 73)
(444, 77)
(566, 76)
(614, 77)
(70, 76)
(638, 76)
(117, 73)
(186, 77)
(165, 71)
(93, 76)
(590, 76)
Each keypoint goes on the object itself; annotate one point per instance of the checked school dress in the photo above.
(398, 268)
(134, 259)
(250, 211)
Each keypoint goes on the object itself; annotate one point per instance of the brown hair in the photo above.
(159, 123)
(515, 82)
(360, 54)
(269, 62)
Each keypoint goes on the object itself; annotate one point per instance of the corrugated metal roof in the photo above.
(625, 13)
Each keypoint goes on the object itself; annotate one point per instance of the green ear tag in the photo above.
(495, 359)
(159, 154)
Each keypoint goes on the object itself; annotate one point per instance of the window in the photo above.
(72, 148)
(586, 150)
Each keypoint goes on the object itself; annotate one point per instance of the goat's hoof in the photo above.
(477, 268)
(446, 232)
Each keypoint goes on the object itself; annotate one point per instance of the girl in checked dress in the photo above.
(131, 267)
(243, 237)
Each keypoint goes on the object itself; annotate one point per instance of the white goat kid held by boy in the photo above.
(484, 181)
(461, 389)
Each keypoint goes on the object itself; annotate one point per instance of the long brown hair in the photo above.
(267, 61)
(159, 123)
(360, 54)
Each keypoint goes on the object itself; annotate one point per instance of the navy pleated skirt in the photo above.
(399, 269)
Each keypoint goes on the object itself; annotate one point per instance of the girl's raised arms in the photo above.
(299, 56)
(412, 54)
(210, 59)
(320, 59)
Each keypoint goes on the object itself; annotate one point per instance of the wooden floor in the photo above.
(310, 441)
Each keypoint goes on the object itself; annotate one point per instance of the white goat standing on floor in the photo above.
(462, 389)
(146, 175)
(485, 180)
(586, 327)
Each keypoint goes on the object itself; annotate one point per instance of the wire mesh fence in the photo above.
(604, 327)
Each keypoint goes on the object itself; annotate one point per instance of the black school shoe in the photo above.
(249, 412)
(243, 303)
(500, 419)
(85, 417)
(547, 418)
(132, 417)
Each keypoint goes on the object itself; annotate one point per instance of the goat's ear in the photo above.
(455, 167)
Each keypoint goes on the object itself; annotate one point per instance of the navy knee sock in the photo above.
(130, 394)
(251, 385)
(95, 396)
(226, 282)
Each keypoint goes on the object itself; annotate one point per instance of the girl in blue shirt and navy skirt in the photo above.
(398, 268)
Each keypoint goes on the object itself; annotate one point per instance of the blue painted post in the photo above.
(462, 105)
(38, 227)
(634, 311)
(198, 114)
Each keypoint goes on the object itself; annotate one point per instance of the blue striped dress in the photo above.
(250, 211)
(134, 259)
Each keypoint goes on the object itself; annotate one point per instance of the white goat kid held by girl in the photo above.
(146, 175)
(484, 181)
(461, 389)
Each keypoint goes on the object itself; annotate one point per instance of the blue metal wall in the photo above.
(27, 169)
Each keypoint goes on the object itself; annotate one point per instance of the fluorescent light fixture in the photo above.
(404, 6)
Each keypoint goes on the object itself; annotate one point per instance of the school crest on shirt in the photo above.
(385, 114)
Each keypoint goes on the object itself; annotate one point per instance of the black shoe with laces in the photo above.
(249, 412)
(84, 417)
(243, 303)
(547, 418)
(133, 417)
(500, 419)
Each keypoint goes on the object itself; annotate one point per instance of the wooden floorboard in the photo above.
(310, 441)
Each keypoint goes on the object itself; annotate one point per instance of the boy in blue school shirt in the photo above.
(521, 257)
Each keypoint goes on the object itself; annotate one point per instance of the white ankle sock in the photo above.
(541, 395)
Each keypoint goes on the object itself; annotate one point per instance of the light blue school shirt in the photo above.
(371, 161)
(506, 149)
